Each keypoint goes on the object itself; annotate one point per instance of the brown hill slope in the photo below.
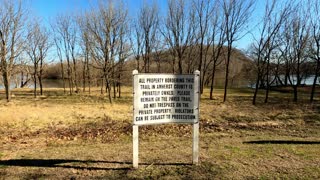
(241, 67)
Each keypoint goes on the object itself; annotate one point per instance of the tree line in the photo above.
(192, 34)
(286, 47)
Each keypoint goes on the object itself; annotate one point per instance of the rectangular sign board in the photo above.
(165, 98)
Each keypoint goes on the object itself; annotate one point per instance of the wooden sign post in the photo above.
(165, 98)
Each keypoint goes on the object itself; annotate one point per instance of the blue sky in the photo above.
(48, 9)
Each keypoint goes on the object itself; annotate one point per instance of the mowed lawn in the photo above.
(83, 136)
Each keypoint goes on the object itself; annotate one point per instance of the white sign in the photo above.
(165, 98)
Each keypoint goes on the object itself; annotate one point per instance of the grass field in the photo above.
(82, 136)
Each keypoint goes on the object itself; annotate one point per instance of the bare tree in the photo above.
(123, 53)
(236, 16)
(37, 47)
(72, 43)
(158, 50)
(314, 10)
(58, 45)
(266, 42)
(24, 72)
(66, 30)
(105, 29)
(85, 46)
(178, 34)
(203, 12)
(136, 42)
(148, 19)
(12, 18)
(217, 41)
(294, 46)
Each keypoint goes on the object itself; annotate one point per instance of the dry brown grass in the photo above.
(83, 136)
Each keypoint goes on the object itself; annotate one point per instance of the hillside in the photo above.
(240, 68)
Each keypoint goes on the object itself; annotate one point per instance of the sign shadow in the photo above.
(281, 142)
(65, 163)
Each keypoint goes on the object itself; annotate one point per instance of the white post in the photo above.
(135, 136)
(135, 128)
(195, 144)
(195, 134)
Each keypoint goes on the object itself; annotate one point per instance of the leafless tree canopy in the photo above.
(37, 46)
(12, 18)
(100, 46)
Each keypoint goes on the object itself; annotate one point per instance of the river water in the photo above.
(58, 83)
(47, 83)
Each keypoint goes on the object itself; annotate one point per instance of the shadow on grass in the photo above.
(76, 164)
(62, 163)
(281, 142)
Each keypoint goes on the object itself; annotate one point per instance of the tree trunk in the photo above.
(40, 84)
(202, 75)
(102, 85)
(212, 79)
(200, 67)
(148, 61)
(6, 80)
(119, 90)
(138, 62)
(119, 82)
(89, 77)
(268, 84)
(295, 87)
(114, 83)
(70, 85)
(69, 78)
(180, 65)
(22, 80)
(314, 84)
(295, 93)
(203, 72)
(75, 75)
(226, 84)
(114, 89)
(227, 74)
(267, 92)
(62, 76)
(84, 77)
(256, 90)
(35, 80)
(108, 86)
(25, 82)
(40, 76)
